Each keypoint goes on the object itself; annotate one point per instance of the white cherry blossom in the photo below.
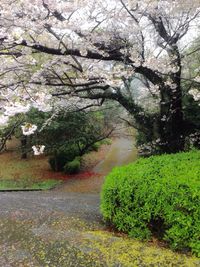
(38, 149)
(28, 129)
(196, 94)
(16, 108)
(3, 120)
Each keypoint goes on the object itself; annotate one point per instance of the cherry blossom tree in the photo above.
(77, 54)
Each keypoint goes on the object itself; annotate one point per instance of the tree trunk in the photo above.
(24, 147)
(171, 123)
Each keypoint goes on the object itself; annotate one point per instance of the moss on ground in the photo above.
(64, 241)
(118, 251)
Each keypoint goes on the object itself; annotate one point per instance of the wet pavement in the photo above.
(85, 206)
(66, 230)
(121, 152)
(64, 227)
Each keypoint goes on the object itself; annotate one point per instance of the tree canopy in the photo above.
(76, 54)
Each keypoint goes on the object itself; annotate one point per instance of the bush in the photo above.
(106, 141)
(157, 196)
(97, 145)
(73, 166)
(57, 162)
(61, 156)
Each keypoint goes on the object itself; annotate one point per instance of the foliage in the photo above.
(68, 135)
(72, 135)
(97, 145)
(62, 155)
(73, 166)
(28, 184)
(157, 196)
(72, 130)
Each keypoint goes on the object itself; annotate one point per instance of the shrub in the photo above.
(97, 145)
(106, 141)
(61, 156)
(157, 196)
(73, 166)
(57, 161)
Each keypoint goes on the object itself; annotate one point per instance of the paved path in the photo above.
(79, 204)
(64, 228)
(80, 196)
(32, 221)
(45, 228)
(121, 152)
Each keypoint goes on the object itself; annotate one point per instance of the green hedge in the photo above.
(157, 196)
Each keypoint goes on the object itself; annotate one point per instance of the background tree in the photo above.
(65, 135)
(191, 108)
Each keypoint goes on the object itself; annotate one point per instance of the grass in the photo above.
(35, 172)
(27, 185)
(30, 174)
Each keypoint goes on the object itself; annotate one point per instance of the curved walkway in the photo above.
(64, 227)
(121, 152)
